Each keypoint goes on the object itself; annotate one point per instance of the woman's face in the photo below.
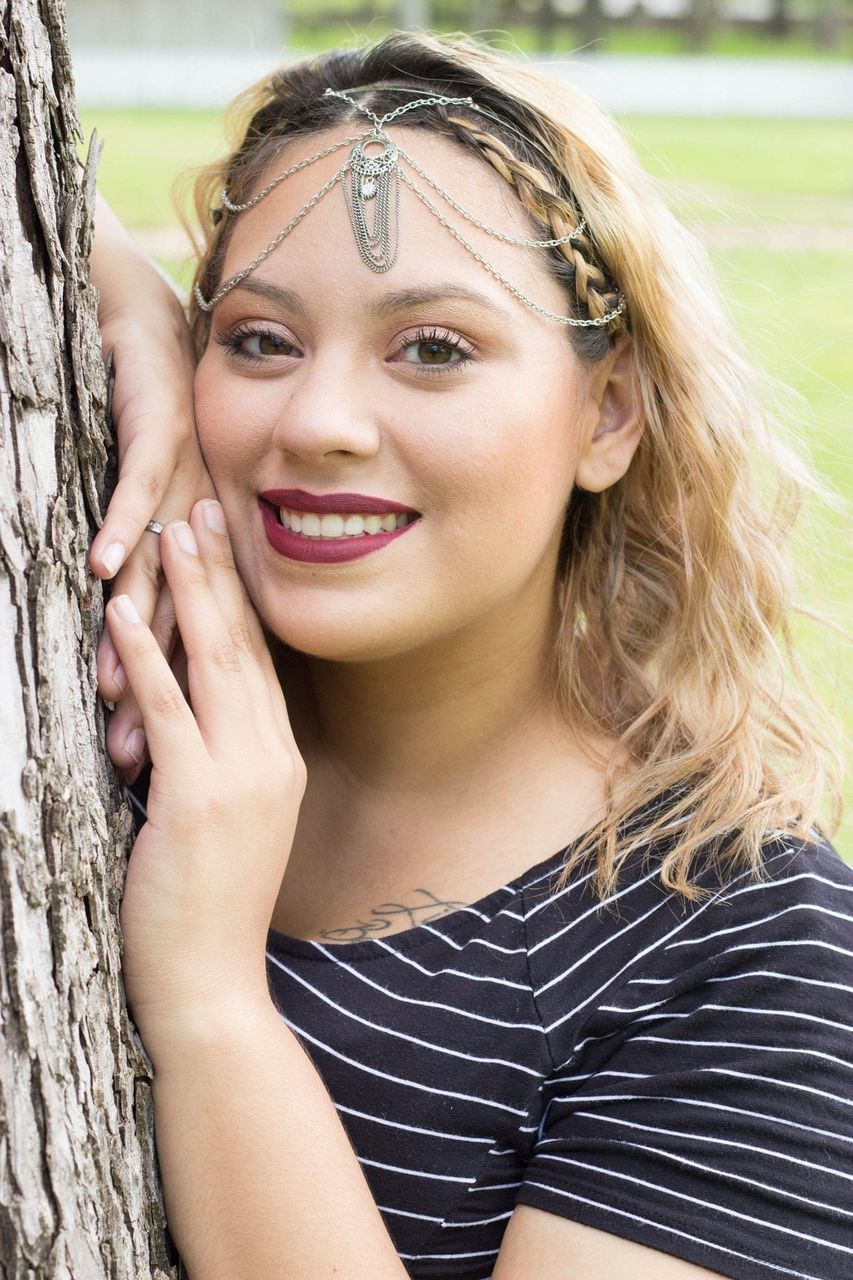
(429, 386)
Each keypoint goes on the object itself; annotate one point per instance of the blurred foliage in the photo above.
(734, 28)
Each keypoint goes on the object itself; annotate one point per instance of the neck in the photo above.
(440, 718)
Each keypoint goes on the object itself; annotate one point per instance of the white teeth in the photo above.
(333, 525)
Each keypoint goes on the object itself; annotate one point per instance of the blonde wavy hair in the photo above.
(676, 584)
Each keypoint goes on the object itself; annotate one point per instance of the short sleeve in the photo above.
(701, 1101)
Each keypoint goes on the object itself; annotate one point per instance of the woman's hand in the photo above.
(161, 468)
(226, 785)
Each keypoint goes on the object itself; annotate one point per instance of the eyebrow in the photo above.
(386, 305)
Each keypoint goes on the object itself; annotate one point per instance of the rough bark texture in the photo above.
(79, 1193)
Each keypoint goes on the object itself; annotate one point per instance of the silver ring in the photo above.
(155, 526)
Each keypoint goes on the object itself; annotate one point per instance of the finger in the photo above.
(220, 698)
(145, 473)
(142, 579)
(128, 773)
(126, 752)
(209, 525)
(110, 673)
(127, 717)
(173, 737)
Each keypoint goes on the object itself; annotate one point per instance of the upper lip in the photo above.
(346, 503)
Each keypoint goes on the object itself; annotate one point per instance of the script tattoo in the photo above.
(385, 915)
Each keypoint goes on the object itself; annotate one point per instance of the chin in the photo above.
(341, 641)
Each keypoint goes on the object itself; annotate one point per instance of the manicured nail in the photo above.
(134, 744)
(214, 517)
(114, 555)
(186, 537)
(125, 608)
(120, 677)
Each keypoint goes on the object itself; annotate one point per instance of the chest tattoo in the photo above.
(392, 917)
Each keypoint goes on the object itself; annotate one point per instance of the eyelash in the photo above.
(231, 342)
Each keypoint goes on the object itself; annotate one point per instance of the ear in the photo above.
(611, 420)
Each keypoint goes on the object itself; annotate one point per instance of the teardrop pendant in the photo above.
(372, 179)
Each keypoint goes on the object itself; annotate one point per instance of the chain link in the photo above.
(365, 242)
(273, 244)
(499, 235)
(435, 100)
(303, 164)
(522, 297)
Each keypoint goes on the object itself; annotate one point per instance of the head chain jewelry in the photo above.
(375, 180)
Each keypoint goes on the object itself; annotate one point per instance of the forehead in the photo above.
(321, 247)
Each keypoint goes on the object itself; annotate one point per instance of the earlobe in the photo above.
(614, 425)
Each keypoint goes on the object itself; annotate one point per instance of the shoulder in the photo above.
(796, 912)
(699, 1101)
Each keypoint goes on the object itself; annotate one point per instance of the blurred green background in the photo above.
(772, 199)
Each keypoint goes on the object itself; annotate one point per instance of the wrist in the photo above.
(149, 324)
(139, 298)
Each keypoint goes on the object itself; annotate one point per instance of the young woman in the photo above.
(489, 576)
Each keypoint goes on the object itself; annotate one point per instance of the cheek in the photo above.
(511, 457)
(231, 426)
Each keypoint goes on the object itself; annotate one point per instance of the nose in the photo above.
(328, 410)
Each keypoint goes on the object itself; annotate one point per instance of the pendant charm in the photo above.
(375, 180)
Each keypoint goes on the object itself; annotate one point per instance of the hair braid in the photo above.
(592, 284)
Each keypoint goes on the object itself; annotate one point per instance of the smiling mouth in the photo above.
(338, 526)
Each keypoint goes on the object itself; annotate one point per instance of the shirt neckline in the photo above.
(406, 939)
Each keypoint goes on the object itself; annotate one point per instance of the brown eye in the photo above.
(254, 346)
(434, 349)
(435, 352)
(270, 344)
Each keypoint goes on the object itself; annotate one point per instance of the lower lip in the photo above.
(323, 550)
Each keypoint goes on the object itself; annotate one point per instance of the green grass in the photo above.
(143, 153)
(791, 305)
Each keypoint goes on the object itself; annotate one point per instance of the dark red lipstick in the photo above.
(346, 503)
(326, 550)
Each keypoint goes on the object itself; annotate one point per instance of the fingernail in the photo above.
(134, 744)
(114, 556)
(125, 608)
(186, 537)
(214, 517)
(120, 677)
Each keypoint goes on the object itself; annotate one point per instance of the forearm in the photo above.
(125, 278)
(259, 1177)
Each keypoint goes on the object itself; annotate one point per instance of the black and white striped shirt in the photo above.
(677, 1074)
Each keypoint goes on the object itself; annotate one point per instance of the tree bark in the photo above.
(79, 1192)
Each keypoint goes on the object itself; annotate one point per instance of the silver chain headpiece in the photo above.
(374, 186)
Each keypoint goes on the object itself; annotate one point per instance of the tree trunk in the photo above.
(829, 24)
(699, 25)
(592, 24)
(779, 22)
(546, 21)
(79, 1193)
